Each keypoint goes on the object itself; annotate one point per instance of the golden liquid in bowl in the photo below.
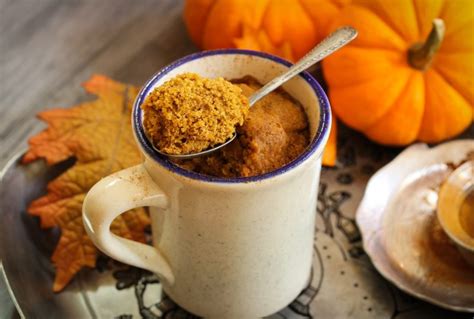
(466, 215)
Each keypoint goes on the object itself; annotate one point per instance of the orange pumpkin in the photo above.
(409, 75)
(288, 28)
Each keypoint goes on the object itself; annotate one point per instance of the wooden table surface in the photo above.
(49, 47)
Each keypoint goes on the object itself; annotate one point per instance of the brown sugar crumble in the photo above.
(274, 133)
(189, 114)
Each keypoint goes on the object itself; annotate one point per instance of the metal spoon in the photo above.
(329, 45)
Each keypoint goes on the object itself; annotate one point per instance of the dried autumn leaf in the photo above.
(98, 134)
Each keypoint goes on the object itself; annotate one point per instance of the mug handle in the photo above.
(113, 195)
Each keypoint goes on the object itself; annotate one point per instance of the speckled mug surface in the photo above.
(223, 247)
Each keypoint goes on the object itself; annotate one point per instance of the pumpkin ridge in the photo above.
(409, 30)
(456, 51)
(284, 20)
(451, 84)
(420, 134)
(368, 131)
(442, 11)
(431, 132)
(407, 82)
(225, 22)
(198, 42)
(455, 86)
(371, 47)
(389, 24)
(366, 21)
(374, 77)
(450, 32)
(351, 119)
(305, 7)
(348, 85)
(308, 17)
(208, 13)
(418, 20)
(259, 18)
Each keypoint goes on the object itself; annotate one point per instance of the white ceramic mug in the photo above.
(223, 247)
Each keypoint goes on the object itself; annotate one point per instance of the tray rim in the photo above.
(10, 162)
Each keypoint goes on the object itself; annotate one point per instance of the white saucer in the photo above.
(401, 234)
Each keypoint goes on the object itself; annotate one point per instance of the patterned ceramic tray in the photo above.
(402, 235)
(344, 282)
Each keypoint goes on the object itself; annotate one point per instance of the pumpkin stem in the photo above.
(421, 54)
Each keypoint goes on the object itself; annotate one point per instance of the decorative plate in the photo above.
(401, 234)
(344, 283)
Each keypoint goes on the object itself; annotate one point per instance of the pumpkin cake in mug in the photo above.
(274, 133)
(188, 114)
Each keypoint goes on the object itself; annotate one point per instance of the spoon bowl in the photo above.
(202, 153)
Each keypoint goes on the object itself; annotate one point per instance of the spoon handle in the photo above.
(331, 43)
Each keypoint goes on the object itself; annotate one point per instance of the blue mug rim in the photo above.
(322, 131)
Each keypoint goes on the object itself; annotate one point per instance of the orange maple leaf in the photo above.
(99, 135)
